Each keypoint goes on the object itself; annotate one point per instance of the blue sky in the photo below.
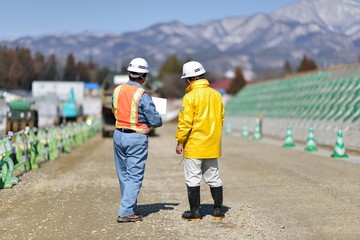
(37, 17)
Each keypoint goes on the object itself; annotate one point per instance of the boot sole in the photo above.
(218, 218)
(126, 219)
(192, 219)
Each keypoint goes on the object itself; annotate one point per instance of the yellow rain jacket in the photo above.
(200, 121)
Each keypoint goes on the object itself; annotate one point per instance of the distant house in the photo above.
(91, 89)
(222, 85)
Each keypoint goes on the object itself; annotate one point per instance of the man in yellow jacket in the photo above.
(198, 137)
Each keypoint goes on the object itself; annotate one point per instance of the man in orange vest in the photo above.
(135, 114)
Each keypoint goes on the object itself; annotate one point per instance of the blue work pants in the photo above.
(130, 153)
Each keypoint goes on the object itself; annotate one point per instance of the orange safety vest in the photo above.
(126, 107)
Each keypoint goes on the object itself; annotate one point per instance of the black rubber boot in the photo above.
(217, 195)
(194, 202)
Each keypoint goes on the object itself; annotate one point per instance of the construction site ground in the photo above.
(269, 193)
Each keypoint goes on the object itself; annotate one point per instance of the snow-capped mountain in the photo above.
(326, 30)
(335, 15)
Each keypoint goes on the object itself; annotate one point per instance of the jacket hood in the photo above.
(201, 83)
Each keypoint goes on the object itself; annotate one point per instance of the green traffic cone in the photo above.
(310, 143)
(228, 129)
(289, 142)
(339, 150)
(257, 133)
(245, 131)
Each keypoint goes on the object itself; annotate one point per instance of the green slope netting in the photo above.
(328, 95)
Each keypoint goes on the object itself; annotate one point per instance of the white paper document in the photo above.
(160, 104)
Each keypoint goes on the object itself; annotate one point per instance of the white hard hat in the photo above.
(138, 65)
(192, 69)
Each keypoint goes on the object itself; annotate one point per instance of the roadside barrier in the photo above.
(52, 143)
(22, 152)
(66, 138)
(78, 138)
(25, 150)
(7, 179)
(31, 138)
(41, 145)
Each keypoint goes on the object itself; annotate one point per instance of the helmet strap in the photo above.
(134, 75)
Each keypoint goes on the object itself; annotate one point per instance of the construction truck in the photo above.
(21, 113)
(106, 91)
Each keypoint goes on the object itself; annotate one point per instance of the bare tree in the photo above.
(238, 82)
(307, 64)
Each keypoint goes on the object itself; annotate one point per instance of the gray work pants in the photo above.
(195, 169)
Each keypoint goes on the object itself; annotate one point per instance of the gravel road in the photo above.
(269, 193)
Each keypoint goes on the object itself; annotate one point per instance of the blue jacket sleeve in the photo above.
(148, 113)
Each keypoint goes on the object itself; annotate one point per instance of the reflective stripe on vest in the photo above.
(125, 107)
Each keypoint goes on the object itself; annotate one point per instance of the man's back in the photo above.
(203, 113)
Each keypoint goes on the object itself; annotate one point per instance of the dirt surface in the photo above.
(269, 193)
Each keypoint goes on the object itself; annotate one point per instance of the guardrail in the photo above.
(25, 150)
